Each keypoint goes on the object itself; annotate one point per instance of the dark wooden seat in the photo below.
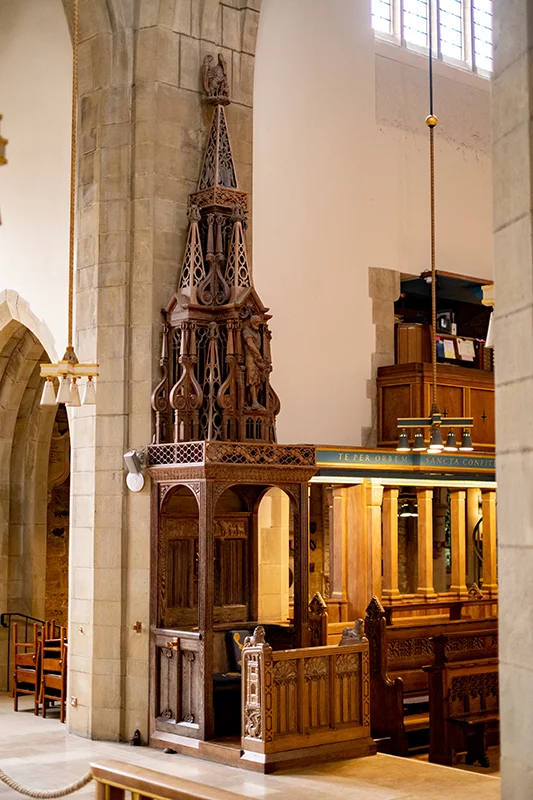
(26, 667)
(54, 673)
(473, 728)
(463, 699)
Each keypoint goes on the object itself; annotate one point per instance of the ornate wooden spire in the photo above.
(218, 168)
(215, 356)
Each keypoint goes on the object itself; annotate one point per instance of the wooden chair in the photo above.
(54, 673)
(26, 667)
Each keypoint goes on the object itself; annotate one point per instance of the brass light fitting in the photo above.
(434, 421)
(69, 370)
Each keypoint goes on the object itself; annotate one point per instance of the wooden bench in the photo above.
(398, 682)
(463, 697)
(452, 609)
(117, 780)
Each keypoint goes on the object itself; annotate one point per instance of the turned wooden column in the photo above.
(337, 550)
(488, 506)
(458, 520)
(363, 545)
(301, 567)
(440, 507)
(473, 513)
(425, 543)
(373, 500)
(390, 543)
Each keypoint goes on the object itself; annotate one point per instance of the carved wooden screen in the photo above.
(231, 567)
(178, 570)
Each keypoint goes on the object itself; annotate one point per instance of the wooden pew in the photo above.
(410, 613)
(463, 696)
(398, 683)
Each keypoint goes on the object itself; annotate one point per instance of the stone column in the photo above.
(390, 543)
(458, 519)
(143, 123)
(440, 507)
(490, 578)
(512, 103)
(425, 543)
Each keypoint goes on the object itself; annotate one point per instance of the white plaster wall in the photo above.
(35, 89)
(340, 185)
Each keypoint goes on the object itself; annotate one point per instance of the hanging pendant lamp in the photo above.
(434, 420)
(451, 444)
(403, 443)
(69, 369)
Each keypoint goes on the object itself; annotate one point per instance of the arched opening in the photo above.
(57, 522)
(275, 558)
(26, 433)
(177, 580)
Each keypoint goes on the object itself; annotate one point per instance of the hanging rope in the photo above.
(431, 122)
(45, 794)
(75, 29)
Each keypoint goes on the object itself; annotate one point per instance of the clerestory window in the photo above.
(462, 29)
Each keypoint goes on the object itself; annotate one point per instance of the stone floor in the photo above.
(40, 753)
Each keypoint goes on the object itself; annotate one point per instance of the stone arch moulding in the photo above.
(100, 16)
(25, 435)
(13, 308)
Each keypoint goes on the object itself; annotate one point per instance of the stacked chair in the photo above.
(40, 667)
(26, 667)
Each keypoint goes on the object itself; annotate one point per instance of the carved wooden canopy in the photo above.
(215, 354)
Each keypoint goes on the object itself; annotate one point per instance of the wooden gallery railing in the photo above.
(313, 698)
(115, 781)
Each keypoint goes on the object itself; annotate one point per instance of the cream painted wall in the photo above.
(35, 88)
(341, 185)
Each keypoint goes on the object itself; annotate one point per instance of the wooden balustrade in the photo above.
(113, 779)
(313, 701)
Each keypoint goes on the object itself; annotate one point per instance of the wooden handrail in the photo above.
(114, 778)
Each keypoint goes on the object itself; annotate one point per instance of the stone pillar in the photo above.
(512, 102)
(425, 543)
(473, 514)
(273, 570)
(440, 507)
(390, 543)
(143, 124)
(337, 551)
(490, 578)
(458, 519)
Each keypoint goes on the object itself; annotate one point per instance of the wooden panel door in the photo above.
(177, 701)
(482, 410)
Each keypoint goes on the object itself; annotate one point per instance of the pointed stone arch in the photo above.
(25, 436)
